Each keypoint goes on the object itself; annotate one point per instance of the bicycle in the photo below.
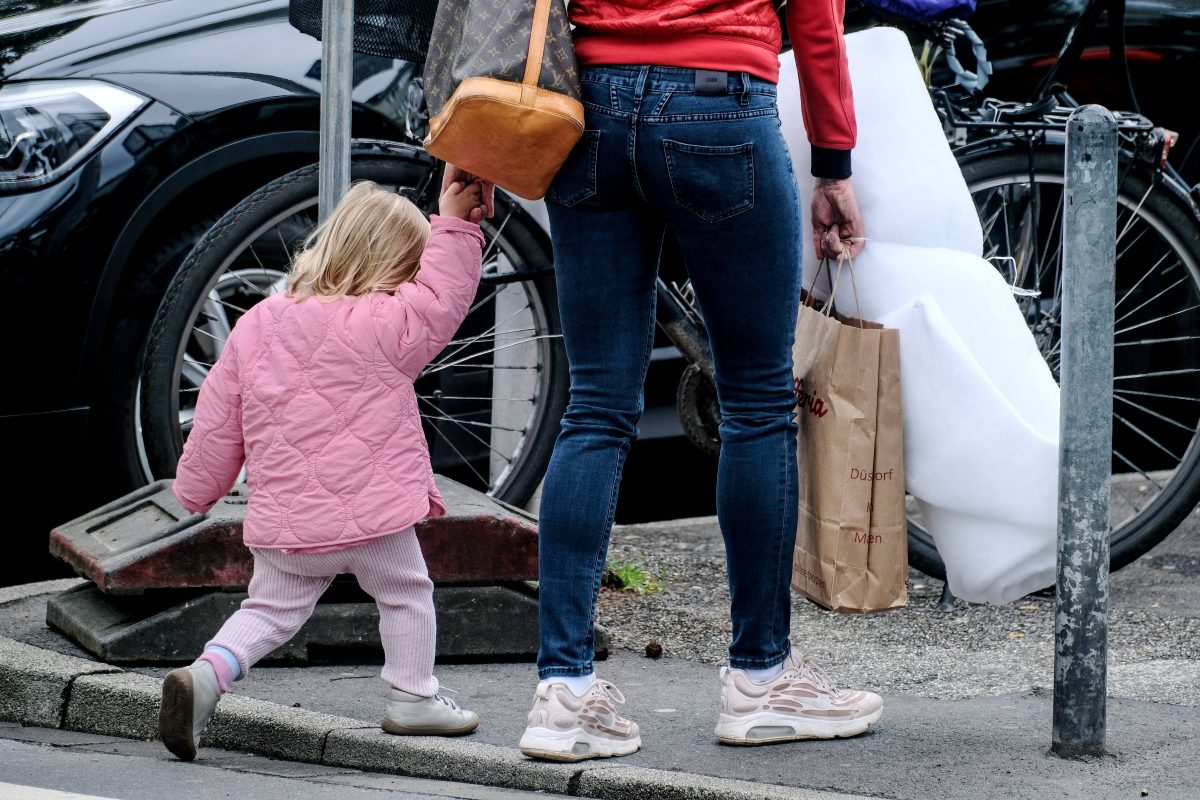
(493, 399)
(1012, 157)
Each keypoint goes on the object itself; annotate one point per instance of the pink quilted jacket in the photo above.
(317, 398)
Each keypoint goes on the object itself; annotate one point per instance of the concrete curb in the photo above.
(35, 684)
(46, 689)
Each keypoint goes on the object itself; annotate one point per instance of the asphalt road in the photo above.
(41, 764)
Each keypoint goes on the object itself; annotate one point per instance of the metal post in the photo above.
(1085, 460)
(337, 51)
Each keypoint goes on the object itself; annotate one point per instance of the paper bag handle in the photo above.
(843, 260)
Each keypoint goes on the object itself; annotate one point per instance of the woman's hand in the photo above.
(836, 220)
(453, 175)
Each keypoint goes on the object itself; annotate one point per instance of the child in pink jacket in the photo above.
(314, 392)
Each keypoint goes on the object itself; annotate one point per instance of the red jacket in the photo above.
(738, 36)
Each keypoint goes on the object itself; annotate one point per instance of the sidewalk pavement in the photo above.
(988, 745)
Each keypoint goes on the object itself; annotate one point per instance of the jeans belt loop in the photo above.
(744, 94)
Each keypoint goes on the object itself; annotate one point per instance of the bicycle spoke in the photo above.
(238, 274)
(476, 339)
(1160, 374)
(1121, 254)
(203, 332)
(484, 301)
(1145, 275)
(1145, 303)
(1138, 470)
(193, 370)
(484, 424)
(443, 415)
(496, 238)
(1133, 215)
(1153, 413)
(1050, 238)
(446, 439)
(466, 359)
(1152, 321)
(990, 222)
(215, 311)
(484, 335)
(1157, 394)
(1165, 340)
(1146, 436)
(482, 399)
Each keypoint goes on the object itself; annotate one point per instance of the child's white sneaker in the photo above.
(414, 715)
(189, 698)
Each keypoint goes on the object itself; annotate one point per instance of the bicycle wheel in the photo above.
(1156, 386)
(491, 401)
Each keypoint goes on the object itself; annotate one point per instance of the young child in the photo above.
(314, 391)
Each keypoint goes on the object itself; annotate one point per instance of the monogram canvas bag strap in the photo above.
(537, 47)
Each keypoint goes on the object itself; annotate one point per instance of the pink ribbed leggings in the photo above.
(286, 586)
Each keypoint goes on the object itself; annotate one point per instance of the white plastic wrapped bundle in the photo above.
(980, 404)
(909, 186)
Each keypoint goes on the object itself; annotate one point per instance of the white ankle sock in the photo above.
(578, 684)
(765, 674)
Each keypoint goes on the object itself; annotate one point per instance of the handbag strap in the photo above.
(537, 48)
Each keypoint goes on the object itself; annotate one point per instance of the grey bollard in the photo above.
(337, 56)
(1085, 456)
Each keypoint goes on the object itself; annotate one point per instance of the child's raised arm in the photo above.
(420, 318)
(214, 451)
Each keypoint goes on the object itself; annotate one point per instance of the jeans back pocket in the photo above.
(714, 182)
(576, 179)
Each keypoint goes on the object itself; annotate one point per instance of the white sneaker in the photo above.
(563, 727)
(801, 702)
(189, 698)
(414, 715)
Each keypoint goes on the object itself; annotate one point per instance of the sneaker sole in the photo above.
(175, 715)
(566, 746)
(738, 730)
(397, 729)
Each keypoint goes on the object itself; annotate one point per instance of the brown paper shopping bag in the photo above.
(851, 542)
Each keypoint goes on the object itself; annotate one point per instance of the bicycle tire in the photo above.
(1150, 200)
(190, 289)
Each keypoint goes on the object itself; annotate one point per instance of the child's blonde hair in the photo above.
(372, 242)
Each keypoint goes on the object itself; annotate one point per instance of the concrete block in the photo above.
(161, 627)
(457, 759)
(638, 783)
(123, 704)
(146, 540)
(34, 682)
(171, 627)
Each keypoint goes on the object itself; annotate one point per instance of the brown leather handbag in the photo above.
(502, 88)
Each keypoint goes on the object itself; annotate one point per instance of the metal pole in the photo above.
(1085, 457)
(337, 52)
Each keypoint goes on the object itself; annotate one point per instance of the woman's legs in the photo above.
(606, 271)
(719, 171)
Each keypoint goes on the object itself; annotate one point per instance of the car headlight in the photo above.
(47, 127)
